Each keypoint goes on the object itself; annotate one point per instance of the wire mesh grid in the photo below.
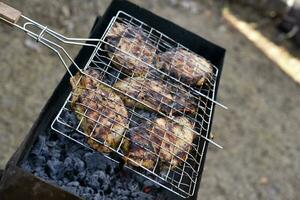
(175, 165)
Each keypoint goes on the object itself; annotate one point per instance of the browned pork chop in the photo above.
(128, 47)
(157, 95)
(103, 114)
(163, 138)
(189, 67)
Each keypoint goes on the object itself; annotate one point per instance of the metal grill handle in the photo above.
(39, 33)
(10, 14)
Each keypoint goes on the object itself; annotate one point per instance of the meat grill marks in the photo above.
(164, 139)
(139, 148)
(189, 67)
(133, 41)
(103, 114)
(178, 62)
(105, 118)
(157, 95)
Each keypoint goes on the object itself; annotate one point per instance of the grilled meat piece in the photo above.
(138, 147)
(156, 95)
(191, 68)
(177, 140)
(105, 115)
(134, 42)
(167, 139)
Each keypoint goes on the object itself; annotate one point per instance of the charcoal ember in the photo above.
(81, 176)
(149, 184)
(73, 184)
(60, 183)
(53, 168)
(40, 146)
(78, 137)
(71, 189)
(54, 153)
(94, 161)
(73, 165)
(98, 180)
(141, 195)
(98, 196)
(69, 118)
(41, 173)
(65, 180)
(121, 197)
(124, 192)
(74, 150)
(87, 193)
(118, 184)
(133, 186)
(39, 169)
(51, 144)
(86, 174)
(39, 161)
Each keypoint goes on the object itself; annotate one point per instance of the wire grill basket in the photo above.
(175, 158)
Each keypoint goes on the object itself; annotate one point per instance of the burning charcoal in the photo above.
(60, 182)
(121, 197)
(141, 195)
(42, 174)
(39, 146)
(88, 190)
(98, 180)
(133, 186)
(51, 144)
(73, 164)
(148, 183)
(54, 167)
(87, 193)
(78, 137)
(94, 161)
(98, 196)
(71, 189)
(39, 161)
(65, 180)
(75, 150)
(93, 182)
(86, 196)
(125, 192)
(39, 169)
(69, 118)
(86, 174)
(81, 176)
(54, 153)
(73, 184)
(118, 184)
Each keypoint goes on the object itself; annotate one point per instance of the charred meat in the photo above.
(103, 114)
(157, 95)
(128, 46)
(177, 140)
(190, 68)
(169, 140)
(138, 147)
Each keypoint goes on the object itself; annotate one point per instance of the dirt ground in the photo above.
(259, 132)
